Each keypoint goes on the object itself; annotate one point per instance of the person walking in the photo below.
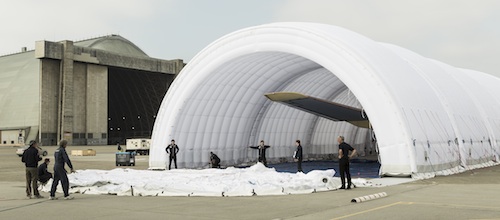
(30, 158)
(262, 152)
(43, 174)
(172, 149)
(298, 155)
(60, 159)
(344, 158)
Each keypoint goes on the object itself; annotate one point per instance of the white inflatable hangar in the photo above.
(424, 116)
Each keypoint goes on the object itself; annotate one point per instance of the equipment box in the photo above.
(125, 159)
(139, 146)
(88, 152)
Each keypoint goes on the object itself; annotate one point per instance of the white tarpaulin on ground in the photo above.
(255, 180)
(428, 117)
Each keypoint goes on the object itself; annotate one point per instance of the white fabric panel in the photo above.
(484, 91)
(469, 126)
(489, 99)
(326, 132)
(323, 139)
(347, 98)
(440, 149)
(417, 106)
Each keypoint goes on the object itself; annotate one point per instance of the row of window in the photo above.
(76, 135)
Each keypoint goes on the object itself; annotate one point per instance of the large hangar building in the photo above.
(91, 92)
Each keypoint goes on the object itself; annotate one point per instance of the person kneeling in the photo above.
(214, 160)
(43, 174)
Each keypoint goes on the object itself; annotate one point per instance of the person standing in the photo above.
(262, 152)
(298, 155)
(172, 149)
(118, 147)
(214, 160)
(60, 159)
(43, 174)
(344, 158)
(30, 158)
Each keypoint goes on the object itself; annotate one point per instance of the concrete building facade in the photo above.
(90, 92)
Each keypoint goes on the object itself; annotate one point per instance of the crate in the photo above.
(88, 152)
(125, 159)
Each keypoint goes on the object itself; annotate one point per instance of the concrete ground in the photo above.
(470, 195)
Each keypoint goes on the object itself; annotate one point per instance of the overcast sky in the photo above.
(463, 33)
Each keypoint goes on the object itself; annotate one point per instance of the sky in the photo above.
(462, 33)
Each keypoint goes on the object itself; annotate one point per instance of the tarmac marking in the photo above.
(22, 206)
(374, 209)
(457, 205)
(418, 203)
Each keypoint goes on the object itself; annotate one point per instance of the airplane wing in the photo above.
(320, 107)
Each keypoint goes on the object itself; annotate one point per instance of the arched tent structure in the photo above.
(428, 117)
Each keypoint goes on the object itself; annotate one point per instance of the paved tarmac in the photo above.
(470, 195)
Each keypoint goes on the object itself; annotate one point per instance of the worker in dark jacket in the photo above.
(43, 174)
(61, 158)
(262, 152)
(214, 160)
(172, 150)
(298, 155)
(30, 158)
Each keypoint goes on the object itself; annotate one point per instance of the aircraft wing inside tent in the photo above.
(324, 108)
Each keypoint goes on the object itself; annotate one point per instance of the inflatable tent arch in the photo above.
(428, 117)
